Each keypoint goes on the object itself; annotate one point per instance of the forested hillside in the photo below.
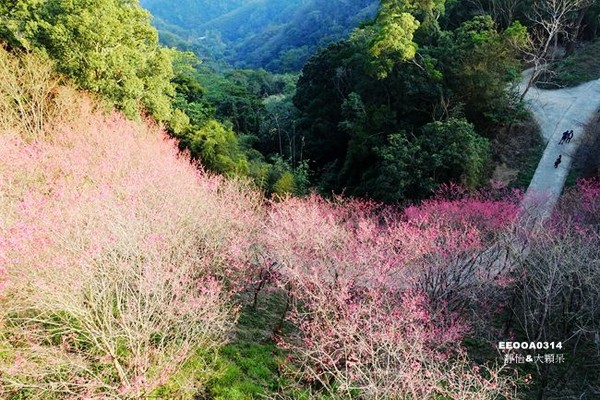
(174, 230)
(278, 35)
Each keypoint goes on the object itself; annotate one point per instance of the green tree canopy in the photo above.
(106, 46)
(217, 148)
(478, 63)
(394, 30)
(449, 151)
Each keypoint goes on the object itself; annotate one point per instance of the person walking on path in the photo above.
(571, 134)
(564, 137)
(558, 161)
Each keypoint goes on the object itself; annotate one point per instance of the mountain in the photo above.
(278, 35)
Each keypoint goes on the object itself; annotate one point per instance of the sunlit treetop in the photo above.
(395, 26)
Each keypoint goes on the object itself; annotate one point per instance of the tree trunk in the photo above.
(534, 75)
(570, 47)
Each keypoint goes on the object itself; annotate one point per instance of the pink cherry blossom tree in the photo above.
(119, 261)
(367, 313)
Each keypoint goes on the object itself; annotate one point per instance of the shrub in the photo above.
(28, 93)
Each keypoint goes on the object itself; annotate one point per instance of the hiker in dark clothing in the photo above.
(571, 134)
(565, 136)
(558, 161)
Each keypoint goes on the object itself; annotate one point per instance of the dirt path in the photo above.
(557, 111)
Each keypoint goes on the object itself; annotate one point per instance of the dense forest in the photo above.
(292, 199)
(371, 114)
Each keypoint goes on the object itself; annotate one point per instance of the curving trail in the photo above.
(557, 111)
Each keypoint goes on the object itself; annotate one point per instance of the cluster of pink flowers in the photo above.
(377, 290)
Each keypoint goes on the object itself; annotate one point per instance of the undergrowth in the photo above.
(583, 66)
